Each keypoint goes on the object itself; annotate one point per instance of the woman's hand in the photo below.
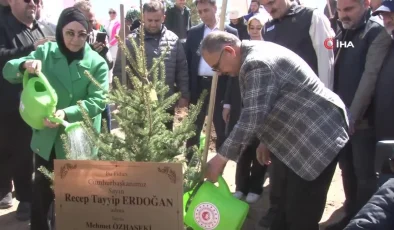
(226, 115)
(59, 114)
(33, 66)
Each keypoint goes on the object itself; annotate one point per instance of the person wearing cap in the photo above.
(355, 81)
(238, 22)
(375, 4)
(384, 96)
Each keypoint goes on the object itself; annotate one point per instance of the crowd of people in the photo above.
(287, 102)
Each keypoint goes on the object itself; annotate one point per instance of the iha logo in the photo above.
(207, 215)
(331, 43)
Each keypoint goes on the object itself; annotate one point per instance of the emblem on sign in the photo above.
(207, 216)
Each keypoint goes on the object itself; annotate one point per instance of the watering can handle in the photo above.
(44, 80)
(223, 187)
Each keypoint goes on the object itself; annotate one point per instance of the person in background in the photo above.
(303, 30)
(201, 74)
(375, 4)
(384, 96)
(333, 8)
(237, 21)
(255, 27)
(4, 7)
(20, 34)
(355, 81)
(132, 20)
(61, 62)
(101, 48)
(158, 38)
(44, 20)
(178, 19)
(249, 175)
(253, 9)
(277, 86)
(99, 27)
(112, 27)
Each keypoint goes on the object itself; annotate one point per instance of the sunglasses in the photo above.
(112, 12)
(35, 1)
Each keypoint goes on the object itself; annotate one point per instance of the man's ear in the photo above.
(230, 50)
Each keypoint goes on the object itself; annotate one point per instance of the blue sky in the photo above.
(54, 7)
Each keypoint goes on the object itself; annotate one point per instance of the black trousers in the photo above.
(218, 122)
(302, 203)
(357, 163)
(249, 175)
(42, 195)
(16, 157)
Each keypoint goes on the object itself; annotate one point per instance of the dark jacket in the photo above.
(378, 213)
(242, 30)
(384, 99)
(233, 98)
(172, 21)
(13, 45)
(350, 67)
(193, 56)
(292, 32)
(175, 61)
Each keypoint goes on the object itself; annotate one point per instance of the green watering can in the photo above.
(38, 101)
(208, 206)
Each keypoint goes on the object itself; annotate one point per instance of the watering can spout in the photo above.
(59, 121)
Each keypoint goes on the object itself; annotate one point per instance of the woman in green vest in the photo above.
(63, 63)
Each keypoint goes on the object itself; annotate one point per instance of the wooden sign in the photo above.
(118, 195)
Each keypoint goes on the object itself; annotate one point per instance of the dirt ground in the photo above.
(335, 198)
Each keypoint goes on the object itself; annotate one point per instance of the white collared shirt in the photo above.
(203, 68)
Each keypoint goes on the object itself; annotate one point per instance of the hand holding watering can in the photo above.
(34, 67)
(216, 165)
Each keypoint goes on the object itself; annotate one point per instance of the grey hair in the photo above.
(83, 5)
(216, 40)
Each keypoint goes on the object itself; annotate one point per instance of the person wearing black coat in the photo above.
(238, 22)
(249, 175)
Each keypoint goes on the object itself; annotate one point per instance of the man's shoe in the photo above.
(340, 225)
(266, 221)
(6, 201)
(23, 211)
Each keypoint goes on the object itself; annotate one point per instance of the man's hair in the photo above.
(212, 2)
(215, 41)
(83, 5)
(256, 1)
(153, 6)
